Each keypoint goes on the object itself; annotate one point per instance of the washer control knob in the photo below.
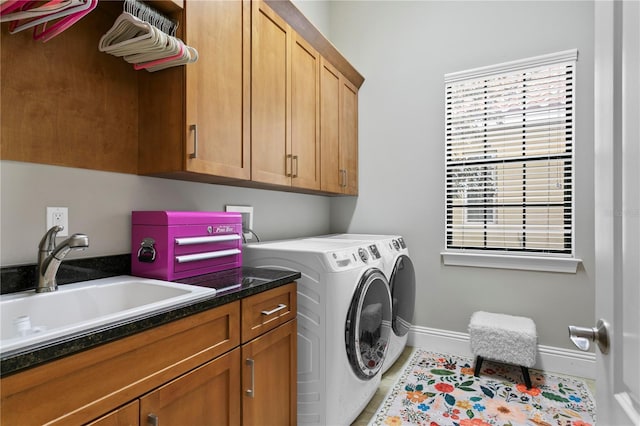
(396, 245)
(363, 255)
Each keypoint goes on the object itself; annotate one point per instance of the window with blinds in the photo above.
(509, 157)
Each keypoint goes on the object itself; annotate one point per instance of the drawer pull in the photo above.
(250, 392)
(274, 310)
(152, 420)
(208, 255)
(209, 239)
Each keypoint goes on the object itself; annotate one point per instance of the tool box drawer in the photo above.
(170, 245)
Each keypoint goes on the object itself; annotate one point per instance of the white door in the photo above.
(617, 215)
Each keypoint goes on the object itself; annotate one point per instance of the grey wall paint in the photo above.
(403, 49)
(100, 205)
(318, 12)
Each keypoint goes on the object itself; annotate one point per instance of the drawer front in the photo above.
(91, 383)
(267, 310)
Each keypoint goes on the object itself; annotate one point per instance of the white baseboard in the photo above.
(550, 358)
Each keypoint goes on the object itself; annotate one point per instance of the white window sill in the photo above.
(565, 265)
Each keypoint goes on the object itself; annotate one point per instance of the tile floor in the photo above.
(389, 379)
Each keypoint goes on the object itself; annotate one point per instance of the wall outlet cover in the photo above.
(247, 217)
(58, 216)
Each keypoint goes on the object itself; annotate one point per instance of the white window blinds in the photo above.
(509, 156)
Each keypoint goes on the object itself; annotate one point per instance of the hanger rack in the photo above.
(146, 38)
(148, 14)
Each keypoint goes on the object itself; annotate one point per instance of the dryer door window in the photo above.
(403, 295)
(368, 326)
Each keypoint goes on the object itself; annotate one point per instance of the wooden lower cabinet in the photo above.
(206, 396)
(188, 372)
(269, 378)
(269, 357)
(123, 416)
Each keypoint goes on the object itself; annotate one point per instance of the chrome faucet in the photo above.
(50, 256)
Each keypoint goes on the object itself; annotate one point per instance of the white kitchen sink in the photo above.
(28, 318)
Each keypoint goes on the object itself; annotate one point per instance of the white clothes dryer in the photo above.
(400, 273)
(344, 323)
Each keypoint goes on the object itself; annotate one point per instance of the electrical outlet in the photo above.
(58, 216)
(247, 218)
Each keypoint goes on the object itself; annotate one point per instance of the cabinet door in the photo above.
(269, 377)
(329, 128)
(217, 88)
(305, 114)
(208, 395)
(123, 416)
(270, 106)
(349, 136)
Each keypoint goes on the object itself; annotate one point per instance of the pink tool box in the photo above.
(170, 245)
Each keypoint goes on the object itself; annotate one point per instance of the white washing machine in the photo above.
(344, 322)
(400, 273)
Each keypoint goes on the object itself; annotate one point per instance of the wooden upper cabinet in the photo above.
(66, 103)
(262, 106)
(305, 114)
(270, 87)
(339, 132)
(329, 128)
(217, 95)
(284, 103)
(195, 118)
(349, 136)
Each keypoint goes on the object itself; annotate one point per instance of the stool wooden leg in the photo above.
(525, 374)
(479, 360)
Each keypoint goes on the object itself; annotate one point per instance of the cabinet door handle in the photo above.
(346, 178)
(274, 310)
(295, 173)
(194, 128)
(250, 392)
(152, 420)
(288, 165)
(343, 177)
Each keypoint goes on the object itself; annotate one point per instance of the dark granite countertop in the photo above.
(230, 285)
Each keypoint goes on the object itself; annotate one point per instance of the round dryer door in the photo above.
(368, 326)
(403, 295)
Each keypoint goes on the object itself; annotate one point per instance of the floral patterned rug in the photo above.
(437, 390)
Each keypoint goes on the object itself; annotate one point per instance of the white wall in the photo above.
(100, 205)
(403, 49)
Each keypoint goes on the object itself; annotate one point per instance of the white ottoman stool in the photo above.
(504, 338)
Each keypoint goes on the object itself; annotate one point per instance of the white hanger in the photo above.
(78, 6)
(140, 39)
(41, 10)
(126, 30)
(190, 57)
